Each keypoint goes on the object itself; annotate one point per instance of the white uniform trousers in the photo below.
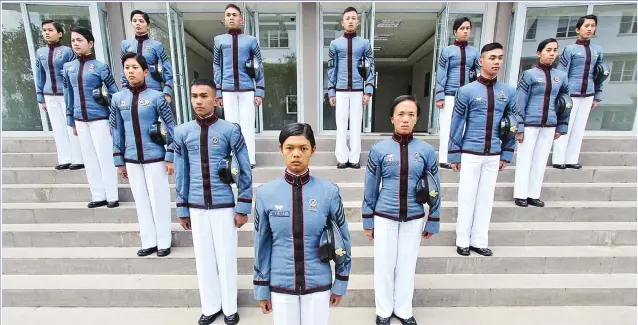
(531, 160)
(215, 245)
(567, 147)
(396, 248)
(149, 184)
(475, 199)
(310, 309)
(66, 143)
(445, 121)
(239, 107)
(349, 108)
(97, 151)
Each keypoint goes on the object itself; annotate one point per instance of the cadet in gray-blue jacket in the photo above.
(477, 151)
(291, 213)
(392, 215)
(203, 198)
(348, 89)
(579, 61)
(89, 118)
(456, 63)
(145, 163)
(159, 65)
(49, 61)
(540, 124)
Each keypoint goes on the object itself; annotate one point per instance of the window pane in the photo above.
(531, 31)
(619, 98)
(68, 16)
(477, 28)
(20, 111)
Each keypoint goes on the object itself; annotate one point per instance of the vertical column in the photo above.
(117, 24)
(32, 50)
(503, 17)
(515, 54)
(309, 64)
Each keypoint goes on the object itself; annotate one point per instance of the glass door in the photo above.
(440, 43)
(367, 23)
(181, 95)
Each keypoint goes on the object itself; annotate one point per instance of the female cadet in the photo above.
(287, 236)
(159, 65)
(145, 163)
(398, 163)
(536, 99)
(87, 112)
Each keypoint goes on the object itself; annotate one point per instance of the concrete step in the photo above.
(432, 260)
(327, 143)
(503, 211)
(501, 234)
(321, 158)
(44, 193)
(547, 315)
(588, 174)
(431, 290)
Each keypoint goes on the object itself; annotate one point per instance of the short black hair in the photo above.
(85, 32)
(204, 82)
(349, 9)
(582, 19)
(541, 45)
(295, 129)
(140, 12)
(139, 58)
(402, 99)
(458, 22)
(491, 47)
(234, 6)
(58, 27)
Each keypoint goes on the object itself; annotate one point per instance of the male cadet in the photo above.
(580, 61)
(478, 151)
(456, 64)
(350, 80)
(203, 198)
(50, 94)
(237, 66)
(159, 65)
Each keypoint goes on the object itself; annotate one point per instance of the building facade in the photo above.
(294, 39)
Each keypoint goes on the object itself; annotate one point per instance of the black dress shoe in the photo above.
(96, 204)
(445, 166)
(559, 166)
(463, 251)
(536, 202)
(355, 166)
(76, 166)
(207, 320)
(164, 252)
(63, 166)
(342, 165)
(252, 166)
(408, 321)
(147, 251)
(232, 319)
(113, 204)
(481, 251)
(574, 166)
(383, 320)
(521, 202)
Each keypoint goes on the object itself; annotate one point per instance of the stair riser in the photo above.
(445, 238)
(354, 298)
(360, 265)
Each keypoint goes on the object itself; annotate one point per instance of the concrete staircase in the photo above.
(572, 262)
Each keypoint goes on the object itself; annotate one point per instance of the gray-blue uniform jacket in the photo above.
(199, 147)
(453, 70)
(579, 61)
(231, 52)
(479, 107)
(49, 62)
(399, 162)
(155, 55)
(290, 215)
(344, 55)
(536, 98)
(80, 77)
(133, 111)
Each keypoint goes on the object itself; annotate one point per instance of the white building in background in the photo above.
(294, 36)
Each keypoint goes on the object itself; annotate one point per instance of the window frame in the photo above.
(528, 28)
(632, 23)
(567, 30)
